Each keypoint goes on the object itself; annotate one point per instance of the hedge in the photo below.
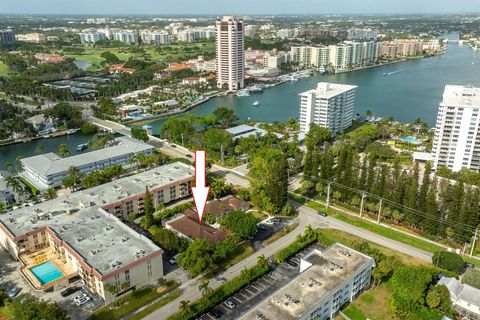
(170, 212)
(448, 260)
(221, 293)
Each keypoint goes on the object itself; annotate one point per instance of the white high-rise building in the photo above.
(330, 105)
(230, 53)
(127, 37)
(457, 139)
(91, 37)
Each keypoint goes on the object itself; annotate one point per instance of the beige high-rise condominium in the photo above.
(230, 53)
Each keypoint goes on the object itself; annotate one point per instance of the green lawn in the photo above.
(3, 69)
(242, 252)
(134, 301)
(167, 299)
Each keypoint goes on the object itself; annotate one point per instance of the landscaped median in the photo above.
(190, 311)
(134, 301)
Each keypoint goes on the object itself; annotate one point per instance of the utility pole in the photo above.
(361, 204)
(222, 156)
(328, 195)
(379, 210)
(474, 241)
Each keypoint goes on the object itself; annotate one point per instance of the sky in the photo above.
(219, 7)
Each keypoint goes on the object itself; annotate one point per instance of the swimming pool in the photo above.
(410, 139)
(46, 272)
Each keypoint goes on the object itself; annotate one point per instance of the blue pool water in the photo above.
(46, 272)
(410, 139)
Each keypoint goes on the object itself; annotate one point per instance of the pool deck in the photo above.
(29, 262)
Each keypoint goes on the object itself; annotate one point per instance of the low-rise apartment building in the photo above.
(328, 280)
(49, 170)
(81, 234)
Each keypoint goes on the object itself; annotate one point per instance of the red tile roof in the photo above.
(192, 229)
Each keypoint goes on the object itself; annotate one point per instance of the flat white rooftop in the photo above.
(329, 269)
(329, 90)
(101, 239)
(466, 96)
(51, 164)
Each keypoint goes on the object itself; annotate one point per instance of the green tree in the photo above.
(63, 151)
(50, 194)
(198, 258)
(148, 209)
(242, 224)
(216, 139)
(438, 297)
(219, 188)
(204, 289)
(472, 277)
(139, 134)
(410, 284)
(385, 269)
(448, 260)
(73, 179)
(28, 307)
(269, 168)
(225, 116)
(109, 57)
(184, 306)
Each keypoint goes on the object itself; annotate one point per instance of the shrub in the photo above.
(170, 212)
(472, 278)
(448, 260)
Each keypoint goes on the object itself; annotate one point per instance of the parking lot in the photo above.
(257, 291)
(10, 276)
(265, 231)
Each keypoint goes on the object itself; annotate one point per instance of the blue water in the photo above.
(411, 89)
(410, 139)
(46, 272)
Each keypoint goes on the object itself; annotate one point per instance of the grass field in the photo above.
(173, 53)
(134, 301)
(167, 299)
(3, 69)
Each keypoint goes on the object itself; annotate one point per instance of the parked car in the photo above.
(173, 146)
(80, 296)
(69, 291)
(174, 259)
(322, 213)
(468, 265)
(13, 291)
(80, 302)
(230, 304)
(189, 156)
(275, 220)
(216, 313)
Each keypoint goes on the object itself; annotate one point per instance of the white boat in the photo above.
(256, 103)
(243, 93)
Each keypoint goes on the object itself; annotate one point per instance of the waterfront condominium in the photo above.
(330, 106)
(457, 139)
(230, 53)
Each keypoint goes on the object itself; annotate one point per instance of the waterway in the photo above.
(409, 90)
(11, 152)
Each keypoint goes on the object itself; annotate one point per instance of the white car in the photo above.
(80, 296)
(174, 259)
(82, 301)
(230, 304)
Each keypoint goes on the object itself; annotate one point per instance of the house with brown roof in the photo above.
(190, 228)
(219, 207)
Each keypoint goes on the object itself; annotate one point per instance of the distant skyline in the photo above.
(220, 7)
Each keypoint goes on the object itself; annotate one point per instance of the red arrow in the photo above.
(200, 191)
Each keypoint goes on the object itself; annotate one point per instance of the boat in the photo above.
(385, 74)
(322, 70)
(243, 93)
(256, 103)
(71, 131)
(46, 136)
(82, 147)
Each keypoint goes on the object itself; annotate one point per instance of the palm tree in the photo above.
(309, 232)
(184, 306)
(204, 289)
(14, 183)
(261, 260)
(51, 194)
